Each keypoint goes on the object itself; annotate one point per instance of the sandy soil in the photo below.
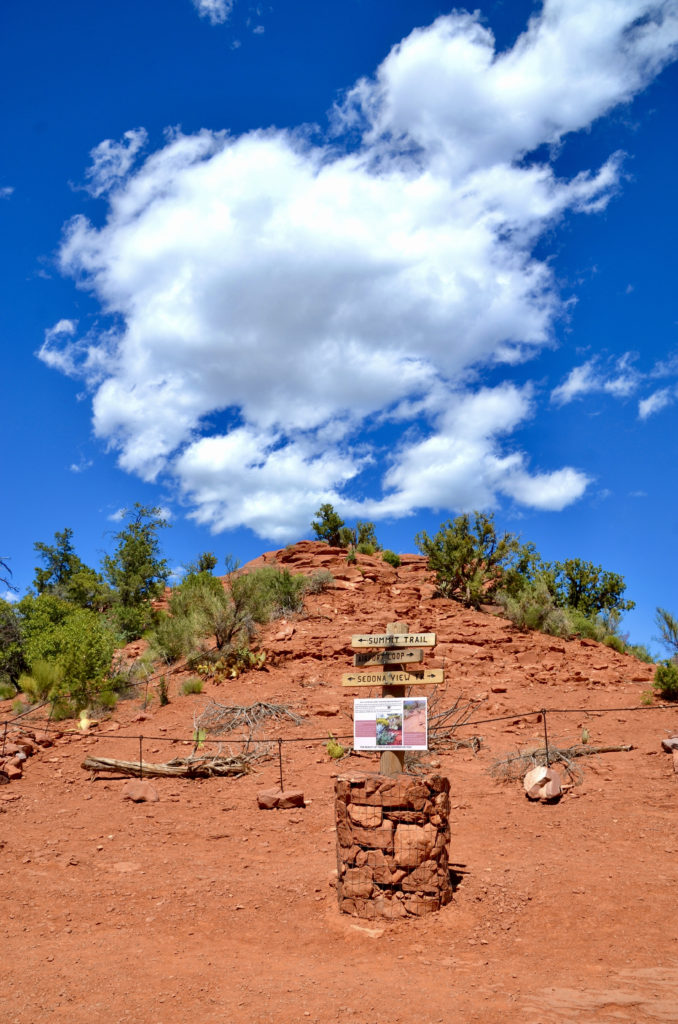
(202, 907)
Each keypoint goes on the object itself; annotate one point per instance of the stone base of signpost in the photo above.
(392, 836)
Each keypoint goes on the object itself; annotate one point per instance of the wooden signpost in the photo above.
(401, 646)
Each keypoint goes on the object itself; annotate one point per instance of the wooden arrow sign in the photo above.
(429, 678)
(387, 657)
(393, 640)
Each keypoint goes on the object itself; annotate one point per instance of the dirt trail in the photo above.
(202, 907)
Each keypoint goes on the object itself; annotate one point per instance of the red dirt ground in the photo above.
(203, 908)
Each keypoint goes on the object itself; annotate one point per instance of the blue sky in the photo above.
(409, 260)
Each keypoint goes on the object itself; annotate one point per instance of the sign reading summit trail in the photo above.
(386, 657)
(394, 640)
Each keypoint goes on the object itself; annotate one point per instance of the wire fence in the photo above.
(198, 740)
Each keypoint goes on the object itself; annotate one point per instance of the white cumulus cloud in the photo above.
(217, 12)
(620, 381)
(655, 402)
(112, 161)
(272, 299)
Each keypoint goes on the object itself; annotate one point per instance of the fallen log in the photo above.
(186, 768)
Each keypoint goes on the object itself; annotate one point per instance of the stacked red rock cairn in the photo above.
(392, 835)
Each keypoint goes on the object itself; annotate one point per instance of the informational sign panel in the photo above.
(391, 723)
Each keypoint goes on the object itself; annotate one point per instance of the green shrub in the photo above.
(282, 593)
(470, 560)
(640, 652)
(163, 692)
(193, 685)
(131, 622)
(391, 558)
(366, 548)
(351, 558)
(44, 682)
(319, 581)
(7, 691)
(328, 525)
(665, 680)
(591, 627)
(174, 635)
(533, 607)
(107, 699)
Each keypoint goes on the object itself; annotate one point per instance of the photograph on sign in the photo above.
(390, 724)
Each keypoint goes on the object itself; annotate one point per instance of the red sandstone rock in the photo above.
(140, 791)
(414, 844)
(367, 817)
(270, 799)
(542, 784)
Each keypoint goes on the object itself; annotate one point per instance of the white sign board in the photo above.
(391, 723)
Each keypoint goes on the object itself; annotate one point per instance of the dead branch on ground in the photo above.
(220, 718)
(192, 767)
(443, 723)
(514, 766)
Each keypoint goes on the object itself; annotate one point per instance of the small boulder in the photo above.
(270, 799)
(140, 791)
(542, 784)
(670, 743)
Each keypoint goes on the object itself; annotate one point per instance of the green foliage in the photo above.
(351, 558)
(86, 652)
(533, 607)
(41, 619)
(665, 680)
(163, 692)
(362, 537)
(193, 685)
(231, 662)
(587, 587)
(60, 562)
(391, 558)
(640, 652)
(202, 607)
(328, 524)
(647, 697)
(282, 593)
(205, 562)
(12, 658)
(469, 558)
(65, 576)
(45, 681)
(319, 581)
(107, 699)
(346, 537)
(334, 748)
(136, 570)
(174, 636)
(77, 641)
(667, 625)
(7, 690)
